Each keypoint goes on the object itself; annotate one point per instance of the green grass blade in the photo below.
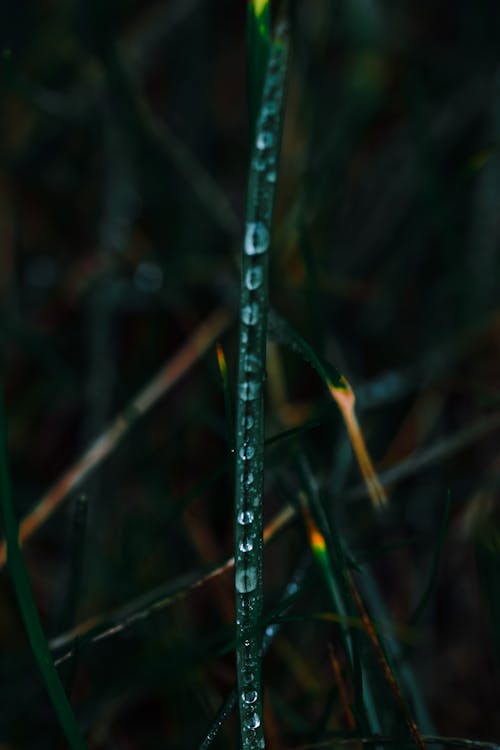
(289, 595)
(249, 467)
(258, 46)
(330, 559)
(27, 606)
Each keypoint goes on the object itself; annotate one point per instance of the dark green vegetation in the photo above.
(124, 192)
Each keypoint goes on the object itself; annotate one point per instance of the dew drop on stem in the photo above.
(245, 517)
(246, 580)
(256, 238)
(254, 278)
(250, 314)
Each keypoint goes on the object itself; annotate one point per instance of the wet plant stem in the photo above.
(249, 433)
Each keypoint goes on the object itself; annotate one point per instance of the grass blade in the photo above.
(27, 605)
(366, 706)
(226, 387)
(107, 441)
(343, 395)
(291, 590)
(249, 478)
(258, 46)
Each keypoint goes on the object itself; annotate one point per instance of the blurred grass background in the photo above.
(124, 155)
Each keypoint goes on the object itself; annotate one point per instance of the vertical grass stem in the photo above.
(249, 465)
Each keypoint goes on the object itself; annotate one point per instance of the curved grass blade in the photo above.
(27, 606)
(249, 469)
(343, 395)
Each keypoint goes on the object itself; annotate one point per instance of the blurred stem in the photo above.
(258, 46)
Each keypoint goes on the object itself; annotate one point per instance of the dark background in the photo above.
(124, 152)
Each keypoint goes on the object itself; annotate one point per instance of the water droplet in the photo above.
(259, 163)
(262, 743)
(253, 721)
(254, 278)
(250, 314)
(249, 422)
(264, 140)
(247, 452)
(250, 478)
(246, 580)
(245, 517)
(256, 238)
(246, 545)
(251, 363)
(270, 630)
(250, 696)
(249, 390)
(271, 176)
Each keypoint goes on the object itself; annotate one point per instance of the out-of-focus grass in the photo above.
(124, 159)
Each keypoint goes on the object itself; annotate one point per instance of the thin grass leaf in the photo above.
(365, 710)
(384, 663)
(22, 587)
(103, 626)
(220, 718)
(321, 551)
(393, 635)
(249, 479)
(108, 440)
(337, 671)
(439, 451)
(258, 47)
(343, 395)
(290, 593)
(228, 403)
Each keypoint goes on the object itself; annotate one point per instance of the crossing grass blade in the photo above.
(329, 559)
(343, 395)
(291, 590)
(115, 432)
(27, 605)
(249, 468)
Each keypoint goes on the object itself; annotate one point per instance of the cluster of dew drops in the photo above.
(256, 245)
